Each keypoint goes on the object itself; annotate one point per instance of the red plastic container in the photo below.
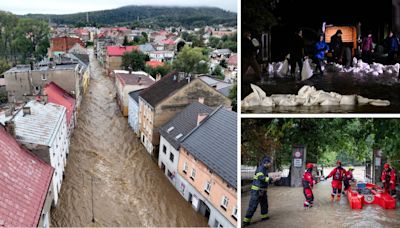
(376, 195)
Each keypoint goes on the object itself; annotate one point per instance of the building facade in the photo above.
(133, 111)
(42, 129)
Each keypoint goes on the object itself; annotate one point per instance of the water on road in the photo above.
(128, 187)
(286, 209)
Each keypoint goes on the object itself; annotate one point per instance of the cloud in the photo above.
(73, 6)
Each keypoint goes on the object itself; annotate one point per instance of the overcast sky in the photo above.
(74, 6)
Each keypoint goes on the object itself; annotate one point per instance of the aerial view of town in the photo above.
(121, 115)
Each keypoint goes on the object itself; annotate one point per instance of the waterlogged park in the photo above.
(320, 172)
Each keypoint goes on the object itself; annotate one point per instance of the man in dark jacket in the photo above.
(258, 191)
(337, 46)
(296, 52)
(249, 53)
(392, 44)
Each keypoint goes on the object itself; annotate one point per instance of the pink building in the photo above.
(207, 168)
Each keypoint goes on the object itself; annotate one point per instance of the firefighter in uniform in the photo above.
(308, 183)
(389, 179)
(258, 192)
(337, 175)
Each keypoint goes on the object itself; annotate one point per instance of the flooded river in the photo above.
(286, 209)
(128, 187)
(385, 87)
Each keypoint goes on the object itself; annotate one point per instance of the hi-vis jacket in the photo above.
(260, 179)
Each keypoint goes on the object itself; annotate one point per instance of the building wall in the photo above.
(219, 187)
(133, 115)
(197, 201)
(31, 82)
(113, 63)
(164, 158)
(123, 94)
(174, 104)
(146, 120)
(86, 80)
(45, 219)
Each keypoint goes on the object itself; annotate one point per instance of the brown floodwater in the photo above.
(128, 187)
(286, 209)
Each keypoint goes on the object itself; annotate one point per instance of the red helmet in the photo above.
(309, 166)
(338, 162)
(386, 166)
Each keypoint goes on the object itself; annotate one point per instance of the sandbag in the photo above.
(306, 72)
(285, 68)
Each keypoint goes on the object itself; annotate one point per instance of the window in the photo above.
(207, 188)
(170, 175)
(171, 157)
(193, 174)
(224, 203)
(164, 149)
(185, 168)
(234, 213)
(170, 129)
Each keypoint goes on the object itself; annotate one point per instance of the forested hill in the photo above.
(146, 16)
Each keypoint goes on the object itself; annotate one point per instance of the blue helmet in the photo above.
(265, 160)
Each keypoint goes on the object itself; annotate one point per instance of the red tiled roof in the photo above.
(154, 64)
(120, 50)
(57, 95)
(65, 43)
(24, 182)
(232, 60)
(168, 42)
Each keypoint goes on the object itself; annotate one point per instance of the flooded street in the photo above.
(386, 87)
(286, 209)
(128, 187)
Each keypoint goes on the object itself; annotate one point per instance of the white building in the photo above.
(133, 111)
(171, 135)
(42, 129)
(161, 56)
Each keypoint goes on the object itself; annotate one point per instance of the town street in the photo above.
(128, 187)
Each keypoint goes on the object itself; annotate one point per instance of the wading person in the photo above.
(258, 192)
(337, 175)
(389, 179)
(308, 183)
(347, 178)
(249, 53)
(337, 46)
(320, 49)
(296, 51)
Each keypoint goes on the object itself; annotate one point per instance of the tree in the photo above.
(223, 63)
(163, 70)
(4, 66)
(191, 61)
(218, 72)
(126, 42)
(134, 60)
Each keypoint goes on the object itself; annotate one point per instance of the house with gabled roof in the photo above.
(160, 102)
(207, 168)
(171, 135)
(25, 185)
(114, 57)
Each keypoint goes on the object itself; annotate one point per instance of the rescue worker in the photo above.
(389, 179)
(337, 175)
(308, 183)
(258, 192)
(347, 178)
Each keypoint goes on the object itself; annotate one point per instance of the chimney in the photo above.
(26, 110)
(201, 117)
(10, 128)
(158, 77)
(201, 100)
